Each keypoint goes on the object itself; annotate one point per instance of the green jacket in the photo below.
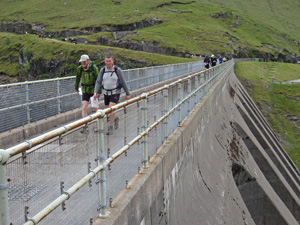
(87, 78)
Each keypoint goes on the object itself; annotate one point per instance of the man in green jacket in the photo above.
(87, 73)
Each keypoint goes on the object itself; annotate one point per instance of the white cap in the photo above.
(212, 55)
(84, 58)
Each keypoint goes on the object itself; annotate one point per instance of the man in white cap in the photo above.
(213, 60)
(86, 74)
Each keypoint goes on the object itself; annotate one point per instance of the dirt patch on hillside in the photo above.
(170, 3)
(5, 79)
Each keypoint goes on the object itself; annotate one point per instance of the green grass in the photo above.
(36, 49)
(281, 15)
(279, 103)
(248, 25)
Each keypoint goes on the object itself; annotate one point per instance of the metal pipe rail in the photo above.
(59, 131)
(57, 202)
(212, 74)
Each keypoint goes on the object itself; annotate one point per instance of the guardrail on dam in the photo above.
(223, 165)
(28, 102)
(40, 169)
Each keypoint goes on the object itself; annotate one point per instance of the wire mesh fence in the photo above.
(35, 178)
(41, 174)
(27, 102)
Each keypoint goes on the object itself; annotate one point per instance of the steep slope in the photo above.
(279, 103)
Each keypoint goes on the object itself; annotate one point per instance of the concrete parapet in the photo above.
(214, 170)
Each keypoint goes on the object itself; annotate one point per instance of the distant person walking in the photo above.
(220, 59)
(213, 61)
(206, 62)
(87, 75)
(111, 80)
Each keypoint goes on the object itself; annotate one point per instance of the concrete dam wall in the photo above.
(224, 165)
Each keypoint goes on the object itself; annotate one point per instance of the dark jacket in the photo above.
(213, 61)
(206, 60)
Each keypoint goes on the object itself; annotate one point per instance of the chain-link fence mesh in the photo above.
(27, 102)
(36, 177)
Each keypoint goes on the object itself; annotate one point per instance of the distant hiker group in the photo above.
(70, 39)
(212, 61)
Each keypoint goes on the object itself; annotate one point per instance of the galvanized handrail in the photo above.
(99, 115)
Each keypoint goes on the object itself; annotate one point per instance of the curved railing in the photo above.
(44, 165)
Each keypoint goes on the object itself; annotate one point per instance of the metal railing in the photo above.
(27, 102)
(38, 170)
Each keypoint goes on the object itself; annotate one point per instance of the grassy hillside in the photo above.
(27, 57)
(279, 103)
(246, 28)
(283, 16)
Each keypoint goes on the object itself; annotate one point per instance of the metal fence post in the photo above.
(101, 161)
(202, 82)
(27, 101)
(195, 88)
(206, 75)
(4, 213)
(211, 76)
(208, 79)
(179, 100)
(189, 92)
(166, 100)
(58, 97)
(144, 128)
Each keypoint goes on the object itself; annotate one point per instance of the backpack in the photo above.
(119, 85)
(93, 73)
(206, 59)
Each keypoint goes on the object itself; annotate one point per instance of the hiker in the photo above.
(220, 59)
(206, 62)
(213, 60)
(87, 75)
(111, 79)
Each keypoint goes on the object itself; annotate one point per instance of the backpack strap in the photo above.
(93, 74)
(119, 85)
(103, 71)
